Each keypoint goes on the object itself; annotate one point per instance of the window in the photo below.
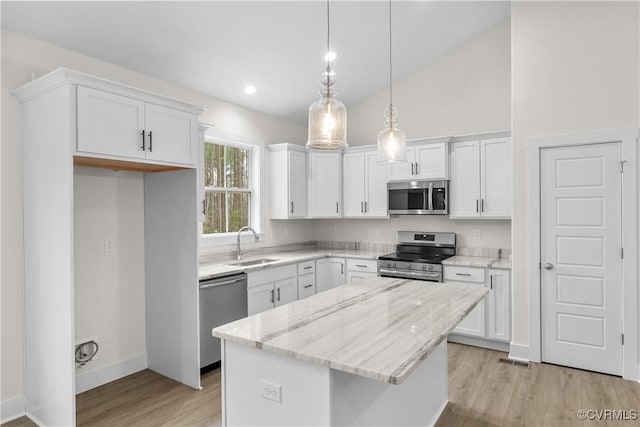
(228, 187)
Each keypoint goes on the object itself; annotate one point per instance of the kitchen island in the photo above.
(367, 353)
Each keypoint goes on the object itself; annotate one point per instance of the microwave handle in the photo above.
(429, 203)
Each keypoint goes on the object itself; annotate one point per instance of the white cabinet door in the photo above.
(109, 124)
(465, 180)
(297, 184)
(474, 323)
(353, 276)
(260, 298)
(376, 186)
(499, 305)
(354, 184)
(286, 291)
(330, 272)
(403, 171)
(170, 135)
(325, 184)
(495, 167)
(306, 285)
(432, 161)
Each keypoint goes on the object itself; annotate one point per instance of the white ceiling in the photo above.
(217, 47)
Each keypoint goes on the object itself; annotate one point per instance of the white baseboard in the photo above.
(478, 342)
(12, 409)
(519, 352)
(92, 379)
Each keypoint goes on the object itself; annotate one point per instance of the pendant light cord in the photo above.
(390, 72)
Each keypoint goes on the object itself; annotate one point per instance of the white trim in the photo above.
(478, 342)
(12, 409)
(628, 139)
(519, 352)
(92, 379)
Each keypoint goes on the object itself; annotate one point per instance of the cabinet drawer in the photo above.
(306, 267)
(464, 274)
(306, 285)
(270, 274)
(367, 265)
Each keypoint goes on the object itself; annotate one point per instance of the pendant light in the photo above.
(392, 142)
(327, 116)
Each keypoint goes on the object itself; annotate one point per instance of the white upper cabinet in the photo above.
(426, 159)
(287, 164)
(325, 184)
(125, 128)
(481, 179)
(365, 185)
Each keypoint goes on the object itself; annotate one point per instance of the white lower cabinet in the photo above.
(271, 287)
(330, 272)
(490, 319)
(358, 269)
(306, 279)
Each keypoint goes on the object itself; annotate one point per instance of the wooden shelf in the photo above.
(122, 165)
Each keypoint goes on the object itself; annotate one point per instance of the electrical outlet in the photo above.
(271, 391)
(477, 234)
(108, 244)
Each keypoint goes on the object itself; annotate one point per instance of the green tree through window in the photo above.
(228, 191)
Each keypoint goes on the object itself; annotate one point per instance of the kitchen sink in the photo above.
(255, 261)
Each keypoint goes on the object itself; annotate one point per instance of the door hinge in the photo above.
(622, 162)
(622, 339)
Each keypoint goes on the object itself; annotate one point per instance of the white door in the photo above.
(495, 180)
(286, 291)
(297, 184)
(465, 180)
(354, 196)
(376, 186)
(499, 306)
(170, 135)
(580, 241)
(325, 184)
(260, 298)
(109, 124)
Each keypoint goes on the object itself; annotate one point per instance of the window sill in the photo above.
(209, 241)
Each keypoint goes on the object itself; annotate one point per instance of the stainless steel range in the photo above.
(418, 255)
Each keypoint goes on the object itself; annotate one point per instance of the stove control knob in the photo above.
(409, 266)
(430, 267)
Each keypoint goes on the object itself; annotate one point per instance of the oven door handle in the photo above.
(384, 272)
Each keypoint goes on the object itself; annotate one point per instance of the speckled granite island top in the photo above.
(380, 328)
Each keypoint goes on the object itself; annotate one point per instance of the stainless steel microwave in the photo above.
(418, 197)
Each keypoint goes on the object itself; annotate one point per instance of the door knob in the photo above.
(548, 266)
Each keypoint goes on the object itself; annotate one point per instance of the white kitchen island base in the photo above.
(316, 395)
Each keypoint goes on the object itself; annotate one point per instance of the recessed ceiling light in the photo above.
(330, 56)
(249, 89)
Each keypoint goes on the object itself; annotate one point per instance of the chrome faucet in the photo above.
(245, 228)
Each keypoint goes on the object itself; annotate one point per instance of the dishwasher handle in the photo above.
(216, 282)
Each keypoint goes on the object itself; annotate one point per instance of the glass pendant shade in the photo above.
(392, 142)
(327, 117)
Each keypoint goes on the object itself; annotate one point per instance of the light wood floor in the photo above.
(482, 392)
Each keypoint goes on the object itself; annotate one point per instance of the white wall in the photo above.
(466, 91)
(22, 56)
(575, 69)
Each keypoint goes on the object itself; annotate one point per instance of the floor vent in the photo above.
(514, 362)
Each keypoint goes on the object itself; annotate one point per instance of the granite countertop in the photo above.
(226, 267)
(380, 328)
(478, 261)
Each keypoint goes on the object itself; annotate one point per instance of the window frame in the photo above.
(256, 148)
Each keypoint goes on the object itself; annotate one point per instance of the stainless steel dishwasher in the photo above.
(222, 300)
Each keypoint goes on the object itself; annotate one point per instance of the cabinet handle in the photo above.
(477, 210)
(341, 268)
(203, 207)
(366, 208)
(411, 168)
(272, 300)
(361, 207)
(307, 286)
(143, 144)
(482, 205)
(337, 211)
(150, 141)
(278, 294)
(416, 168)
(360, 265)
(491, 281)
(308, 267)
(291, 207)
(463, 274)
